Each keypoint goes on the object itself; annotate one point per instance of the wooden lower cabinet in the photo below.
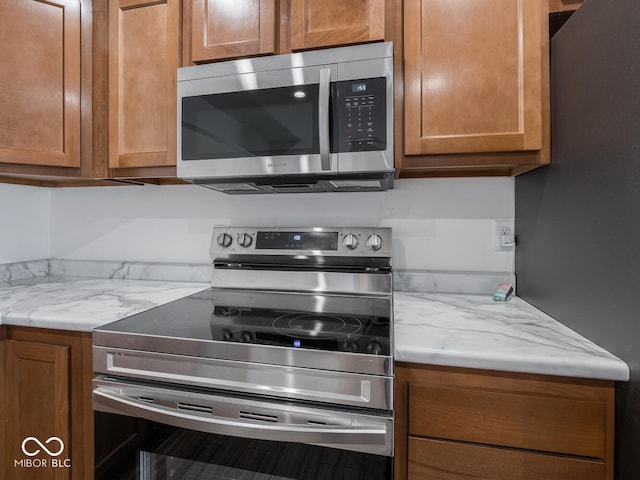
(48, 414)
(454, 423)
(431, 459)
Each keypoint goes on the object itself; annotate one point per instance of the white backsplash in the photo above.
(24, 223)
(438, 224)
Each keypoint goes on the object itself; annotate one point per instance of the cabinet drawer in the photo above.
(441, 460)
(534, 421)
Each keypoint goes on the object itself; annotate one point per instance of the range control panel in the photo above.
(342, 241)
(361, 115)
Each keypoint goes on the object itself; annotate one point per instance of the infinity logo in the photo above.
(42, 446)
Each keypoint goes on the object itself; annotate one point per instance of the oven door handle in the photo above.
(369, 437)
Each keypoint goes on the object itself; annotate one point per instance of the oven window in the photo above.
(128, 448)
(274, 121)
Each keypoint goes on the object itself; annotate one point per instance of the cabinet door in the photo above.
(222, 29)
(40, 79)
(144, 53)
(439, 460)
(552, 422)
(456, 423)
(564, 5)
(473, 75)
(37, 383)
(323, 23)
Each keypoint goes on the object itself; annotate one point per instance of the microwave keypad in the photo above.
(362, 115)
(360, 120)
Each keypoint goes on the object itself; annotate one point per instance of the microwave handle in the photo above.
(323, 118)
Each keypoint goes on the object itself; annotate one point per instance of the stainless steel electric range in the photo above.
(282, 370)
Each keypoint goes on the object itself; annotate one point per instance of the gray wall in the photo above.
(578, 220)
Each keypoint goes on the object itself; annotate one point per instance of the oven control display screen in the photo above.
(297, 240)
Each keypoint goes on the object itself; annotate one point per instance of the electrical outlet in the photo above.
(504, 235)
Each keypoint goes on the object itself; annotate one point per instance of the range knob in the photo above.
(374, 347)
(245, 240)
(224, 240)
(349, 346)
(350, 241)
(227, 335)
(374, 242)
(246, 337)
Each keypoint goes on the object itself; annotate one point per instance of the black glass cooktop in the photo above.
(305, 321)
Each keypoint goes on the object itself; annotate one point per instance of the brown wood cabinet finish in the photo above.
(485, 415)
(223, 29)
(476, 87)
(323, 23)
(564, 5)
(144, 53)
(439, 460)
(39, 405)
(40, 78)
(93, 163)
(456, 423)
(48, 393)
(471, 94)
(473, 76)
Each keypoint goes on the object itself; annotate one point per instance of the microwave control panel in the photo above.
(361, 107)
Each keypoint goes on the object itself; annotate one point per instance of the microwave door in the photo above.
(256, 124)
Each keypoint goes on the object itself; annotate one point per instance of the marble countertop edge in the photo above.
(612, 369)
(473, 331)
(57, 324)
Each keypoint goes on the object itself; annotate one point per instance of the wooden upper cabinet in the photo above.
(564, 5)
(222, 29)
(473, 75)
(40, 78)
(324, 23)
(144, 54)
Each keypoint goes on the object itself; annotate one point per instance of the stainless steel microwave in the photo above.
(302, 122)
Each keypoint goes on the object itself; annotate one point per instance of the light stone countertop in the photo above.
(474, 331)
(81, 304)
(448, 329)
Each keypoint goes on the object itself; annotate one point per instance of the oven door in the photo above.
(155, 432)
(251, 124)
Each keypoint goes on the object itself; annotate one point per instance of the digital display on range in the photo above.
(297, 240)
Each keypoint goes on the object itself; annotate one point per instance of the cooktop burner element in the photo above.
(226, 312)
(305, 325)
